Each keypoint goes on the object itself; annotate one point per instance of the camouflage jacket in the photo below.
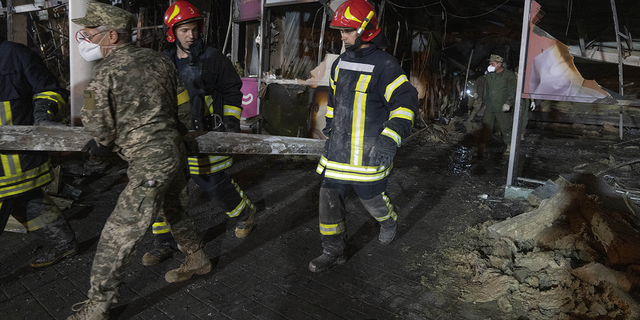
(136, 100)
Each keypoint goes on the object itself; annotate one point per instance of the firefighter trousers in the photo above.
(332, 213)
(225, 192)
(40, 215)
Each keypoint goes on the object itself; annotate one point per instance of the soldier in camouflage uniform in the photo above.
(136, 102)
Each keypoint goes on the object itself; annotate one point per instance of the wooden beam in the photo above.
(62, 138)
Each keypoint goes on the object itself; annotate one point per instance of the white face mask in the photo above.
(89, 50)
(491, 69)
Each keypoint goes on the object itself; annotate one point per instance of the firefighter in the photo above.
(216, 105)
(371, 107)
(30, 94)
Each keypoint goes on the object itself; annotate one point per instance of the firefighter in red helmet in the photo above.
(371, 107)
(216, 105)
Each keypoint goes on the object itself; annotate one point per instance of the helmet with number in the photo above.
(359, 15)
(180, 12)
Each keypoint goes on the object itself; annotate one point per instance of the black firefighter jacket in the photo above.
(214, 89)
(24, 78)
(369, 96)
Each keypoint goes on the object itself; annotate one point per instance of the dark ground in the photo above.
(435, 188)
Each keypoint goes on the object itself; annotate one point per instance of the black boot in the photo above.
(161, 252)
(59, 243)
(326, 261)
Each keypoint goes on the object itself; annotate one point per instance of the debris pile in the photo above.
(576, 256)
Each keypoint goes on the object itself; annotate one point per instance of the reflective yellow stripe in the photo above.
(363, 83)
(208, 101)
(402, 113)
(5, 115)
(331, 229)
(30, 174)
(337, 71)
(393, 86)
(183, 97)
(329, 112)
(391, 214)
(50, 216)
(50, 95)
(208, 165)
(348, 172)
(160, 228)
(393, 135)
(243, 203)
(26, 186)
(11, 164)
(357, 123)
(232, 111)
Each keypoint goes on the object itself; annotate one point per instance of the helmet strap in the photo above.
(356, 44)
(181, 47)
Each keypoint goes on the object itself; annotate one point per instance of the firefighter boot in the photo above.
(90, 310)
(387, 233)
(326, 261)
(58, 239)
(161, 252)
(244, 227)
(382, 210)
(194, 263)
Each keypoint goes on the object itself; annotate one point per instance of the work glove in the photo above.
(97, 150)
(506, 107)
(383, 151)
(43, 111)
(533, 105)
(475, 95)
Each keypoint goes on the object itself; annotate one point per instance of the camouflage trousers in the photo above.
(154, 186)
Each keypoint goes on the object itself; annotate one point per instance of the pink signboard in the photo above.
(248, 10)
(249, 97)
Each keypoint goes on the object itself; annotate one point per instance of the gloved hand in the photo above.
(382, 152)
(43, 111)
(506, 107)
(475, 95)
(96, 149)
(533, 105)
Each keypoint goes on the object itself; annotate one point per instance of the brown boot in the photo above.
(90, 310)
(244, 227)
(194, 263)
(158, 254)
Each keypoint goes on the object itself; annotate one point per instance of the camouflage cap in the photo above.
(100, 14)
(496, 58)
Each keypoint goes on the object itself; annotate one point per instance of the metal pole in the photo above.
(466, 78)
(620, 76)
(10, 20)
(515, 136)
(324, 24)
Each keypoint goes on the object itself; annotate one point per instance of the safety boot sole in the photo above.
(68, 253)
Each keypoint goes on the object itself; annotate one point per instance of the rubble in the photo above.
(575, 256)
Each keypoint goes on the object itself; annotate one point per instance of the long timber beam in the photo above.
(62, 138)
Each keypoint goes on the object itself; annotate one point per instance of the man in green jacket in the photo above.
(499, 99)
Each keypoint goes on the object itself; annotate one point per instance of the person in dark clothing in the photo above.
(216, 105)
(371, 107)
(31, 94)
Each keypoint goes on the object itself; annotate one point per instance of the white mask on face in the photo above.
(491, 69)
(90, 51)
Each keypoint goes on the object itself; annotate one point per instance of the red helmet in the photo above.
(180, 12)
(357, 14)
